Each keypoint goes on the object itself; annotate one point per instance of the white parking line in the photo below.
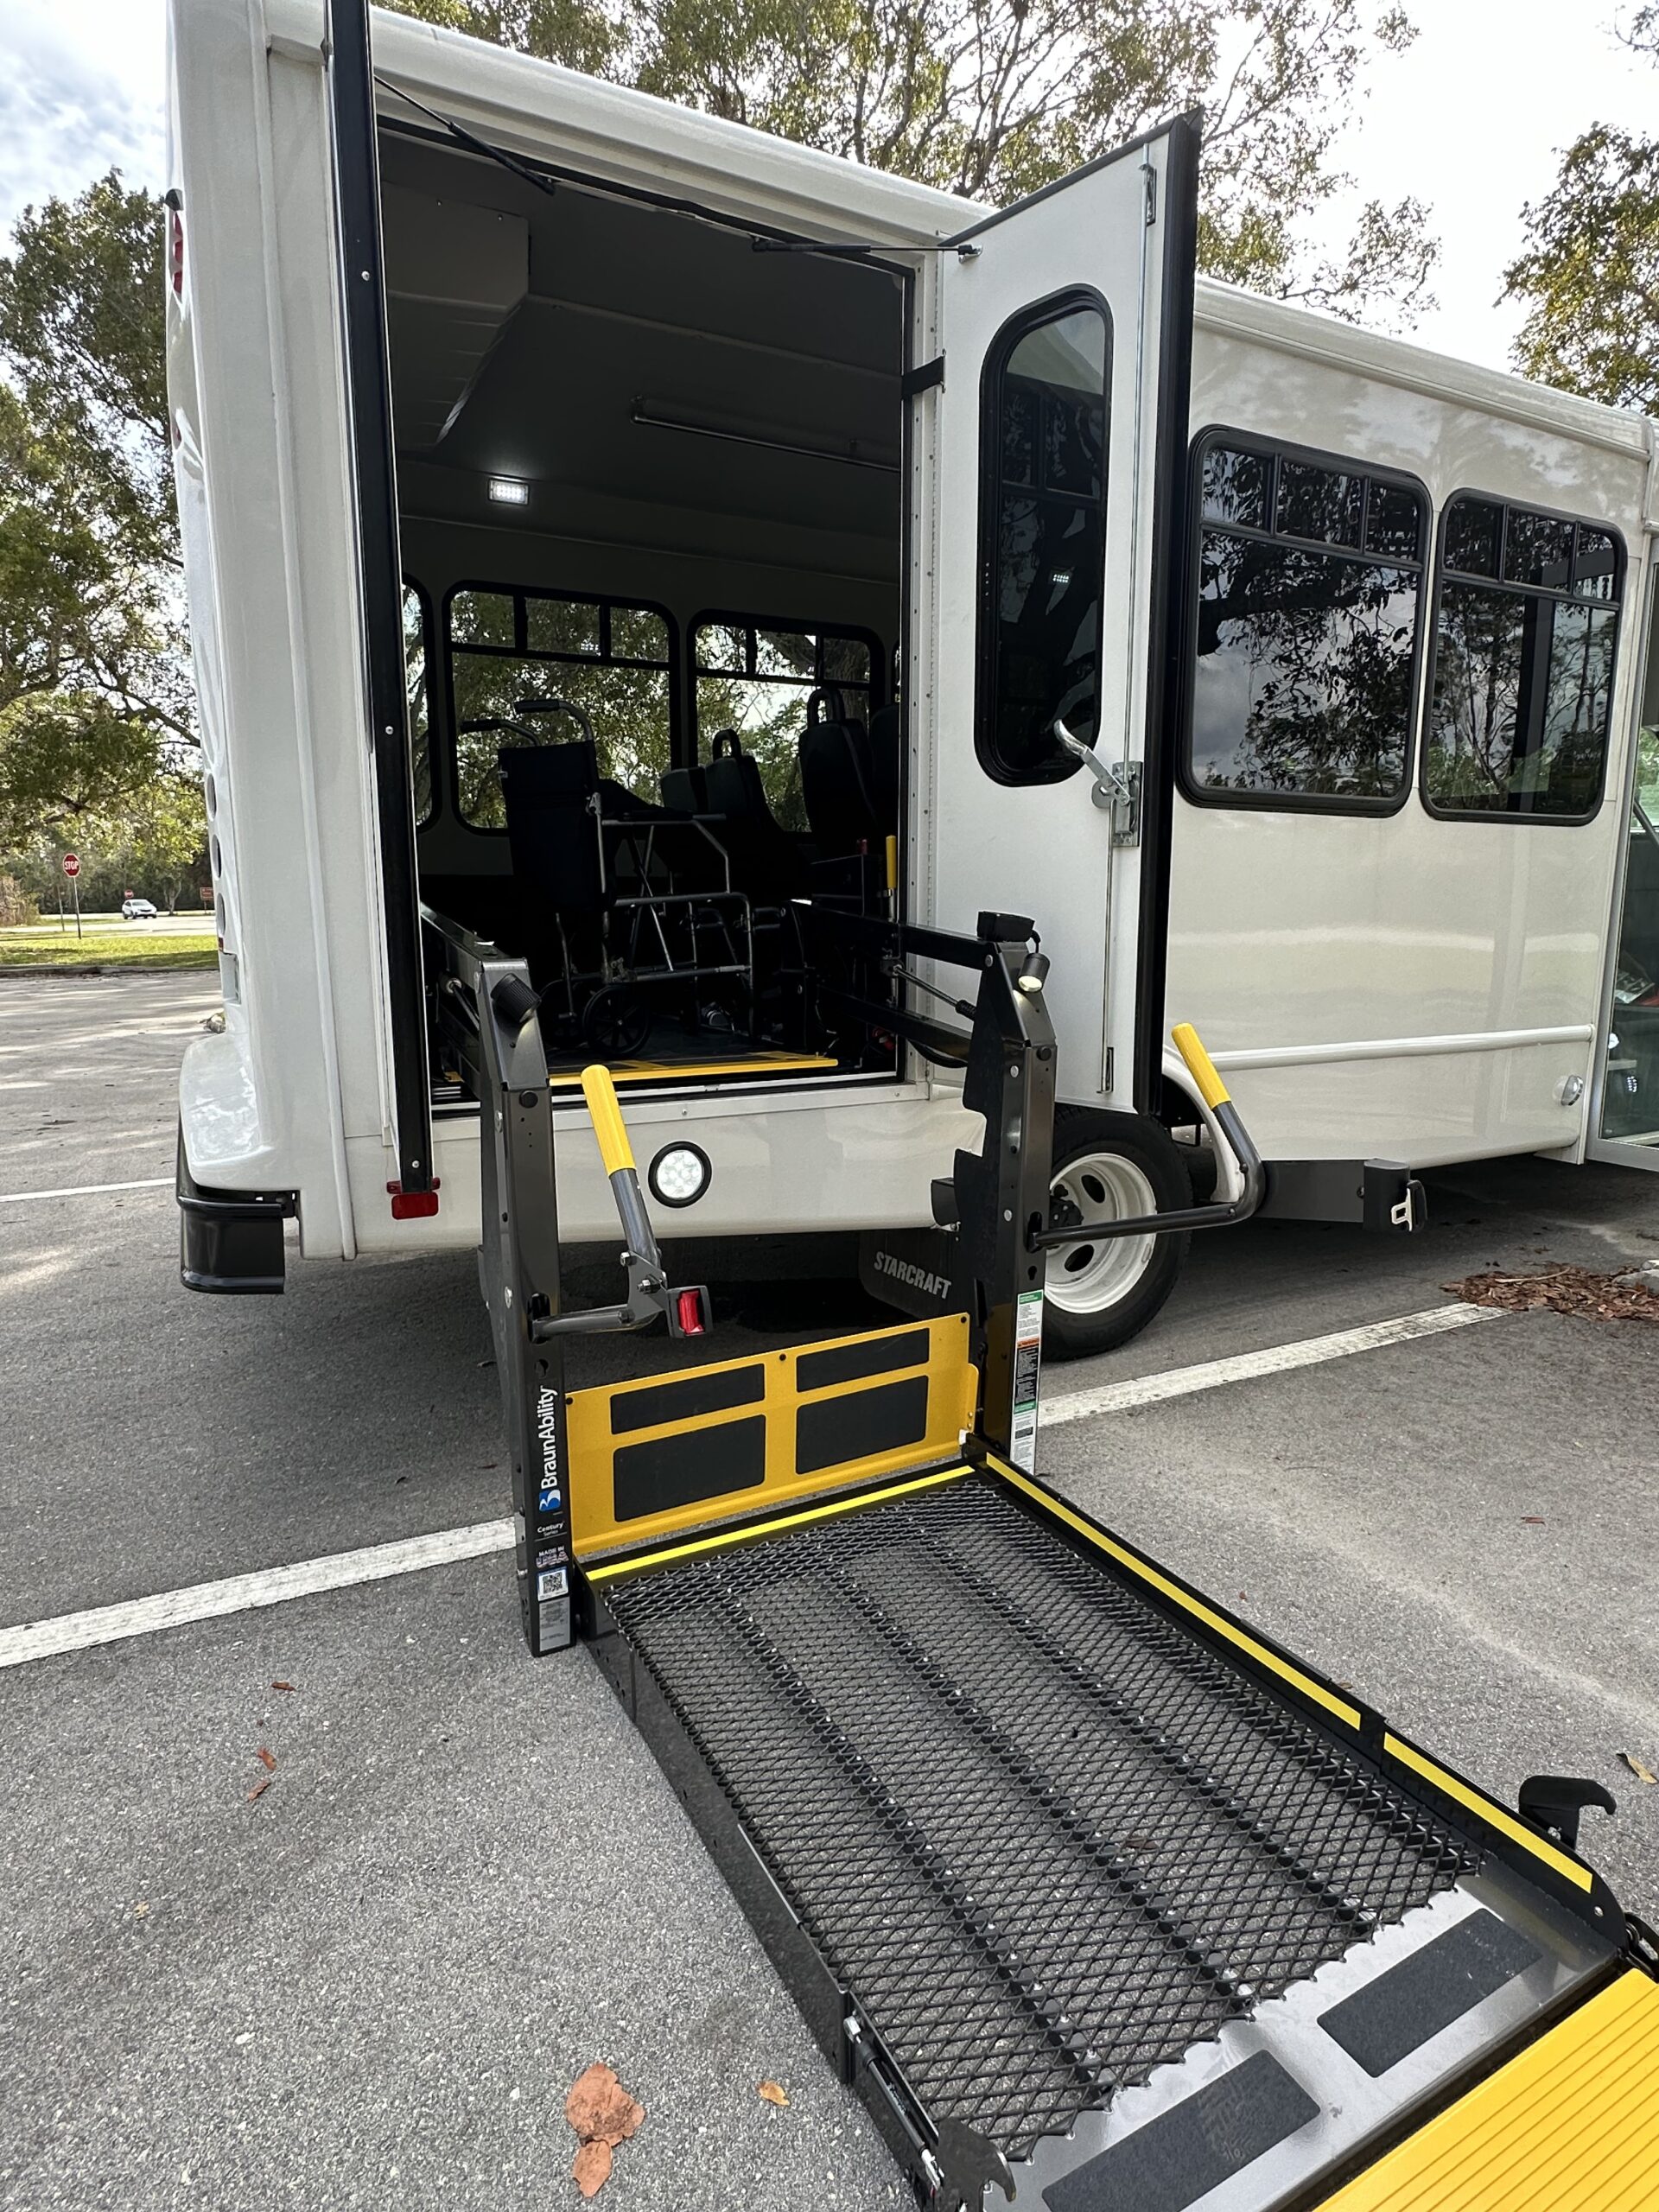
(240, 1593)
(1246, 1366)
(85, 1190)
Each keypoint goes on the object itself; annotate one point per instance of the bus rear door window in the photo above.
(1042, 551)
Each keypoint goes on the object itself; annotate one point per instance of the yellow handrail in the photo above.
(1199, 1065)
(608, 1126)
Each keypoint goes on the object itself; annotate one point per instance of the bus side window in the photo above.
(417, 662)
(1304, 629)
(756, 677)
(510, 644)
(1526, 625)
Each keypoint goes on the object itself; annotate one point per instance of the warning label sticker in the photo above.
(1027, 1363)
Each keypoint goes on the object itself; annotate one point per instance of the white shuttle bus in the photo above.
(625, 542)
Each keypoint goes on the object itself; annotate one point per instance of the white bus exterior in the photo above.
(1401, 947)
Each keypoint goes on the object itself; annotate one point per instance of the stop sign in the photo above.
(71, 864)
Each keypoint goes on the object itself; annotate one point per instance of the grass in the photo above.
(34, 947)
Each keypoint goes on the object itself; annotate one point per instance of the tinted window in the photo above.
(506, 647)
(1523, 664)
(1306, 631)
(757, 680)
(1042, 554)
(415, 684)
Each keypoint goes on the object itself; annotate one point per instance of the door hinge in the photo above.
(923, 377)
(1151, 176)
(1123, 799)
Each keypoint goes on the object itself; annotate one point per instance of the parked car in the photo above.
(137, 910)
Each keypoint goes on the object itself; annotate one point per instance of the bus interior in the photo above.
(649, 479)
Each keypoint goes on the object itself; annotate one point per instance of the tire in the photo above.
(1109, 1166)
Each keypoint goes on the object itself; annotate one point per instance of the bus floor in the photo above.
(468, 1877)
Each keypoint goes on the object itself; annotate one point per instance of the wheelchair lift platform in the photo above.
(1102, 1900)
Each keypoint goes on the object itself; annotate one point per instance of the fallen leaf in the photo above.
(593, 2167)
(774, 2092)
(282, 1685)
(599, 2108)
(1533, 1520)
(259, 1788)
(265, 1759)
(140, 1909)
(1598, 1297)
(1643, 1772)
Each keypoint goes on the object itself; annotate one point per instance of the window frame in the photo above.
(1209, 795)
(1501, 584)
(434, 794)
(523, 593)
(1053, 307)
(854, 632)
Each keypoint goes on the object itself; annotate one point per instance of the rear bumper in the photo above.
(230, 1242)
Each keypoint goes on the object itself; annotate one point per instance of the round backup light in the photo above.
(680, 1174)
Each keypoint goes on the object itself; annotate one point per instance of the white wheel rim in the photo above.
(1092, 1275)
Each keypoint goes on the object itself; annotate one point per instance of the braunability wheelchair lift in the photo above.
(1102, 1900)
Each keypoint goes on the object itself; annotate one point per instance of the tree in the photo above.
(94, 696)
(82, 336)
(156, 845)
(1591, 267)
(993, 97)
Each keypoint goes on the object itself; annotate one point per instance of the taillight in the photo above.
(413, 1205)
(175, 252)
(694, 1322)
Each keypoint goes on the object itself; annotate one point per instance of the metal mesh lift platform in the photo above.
(1101, 1900)
(1096, 1897)
(1044, 1838)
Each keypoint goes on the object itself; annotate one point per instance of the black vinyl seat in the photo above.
(548, 792)
(765, 859)
(685, 790)
(838, 780)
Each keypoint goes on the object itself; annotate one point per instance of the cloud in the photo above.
(81, 94)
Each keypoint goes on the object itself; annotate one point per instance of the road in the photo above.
(373, 1982)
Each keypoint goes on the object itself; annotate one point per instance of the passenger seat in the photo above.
(684, 790)
(766, 861)
(838, 780)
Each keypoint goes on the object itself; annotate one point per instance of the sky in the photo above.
(1470, 118)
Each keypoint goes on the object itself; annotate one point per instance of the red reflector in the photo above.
(175, 252)
(690, 1308)
(413, 1205)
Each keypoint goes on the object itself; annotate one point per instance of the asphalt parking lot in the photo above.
(373, 1982)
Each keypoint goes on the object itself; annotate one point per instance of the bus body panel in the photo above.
(1473, 952)
(1405, 986)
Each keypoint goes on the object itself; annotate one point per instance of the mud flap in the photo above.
(918, 1271)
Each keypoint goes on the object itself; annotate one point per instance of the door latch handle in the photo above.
(1116, 788)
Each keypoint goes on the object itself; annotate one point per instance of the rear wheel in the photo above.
(1102, 1291)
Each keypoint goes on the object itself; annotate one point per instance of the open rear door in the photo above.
(1047, 527)
(363, 309)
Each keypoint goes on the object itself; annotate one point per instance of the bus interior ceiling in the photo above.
(651, 472)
